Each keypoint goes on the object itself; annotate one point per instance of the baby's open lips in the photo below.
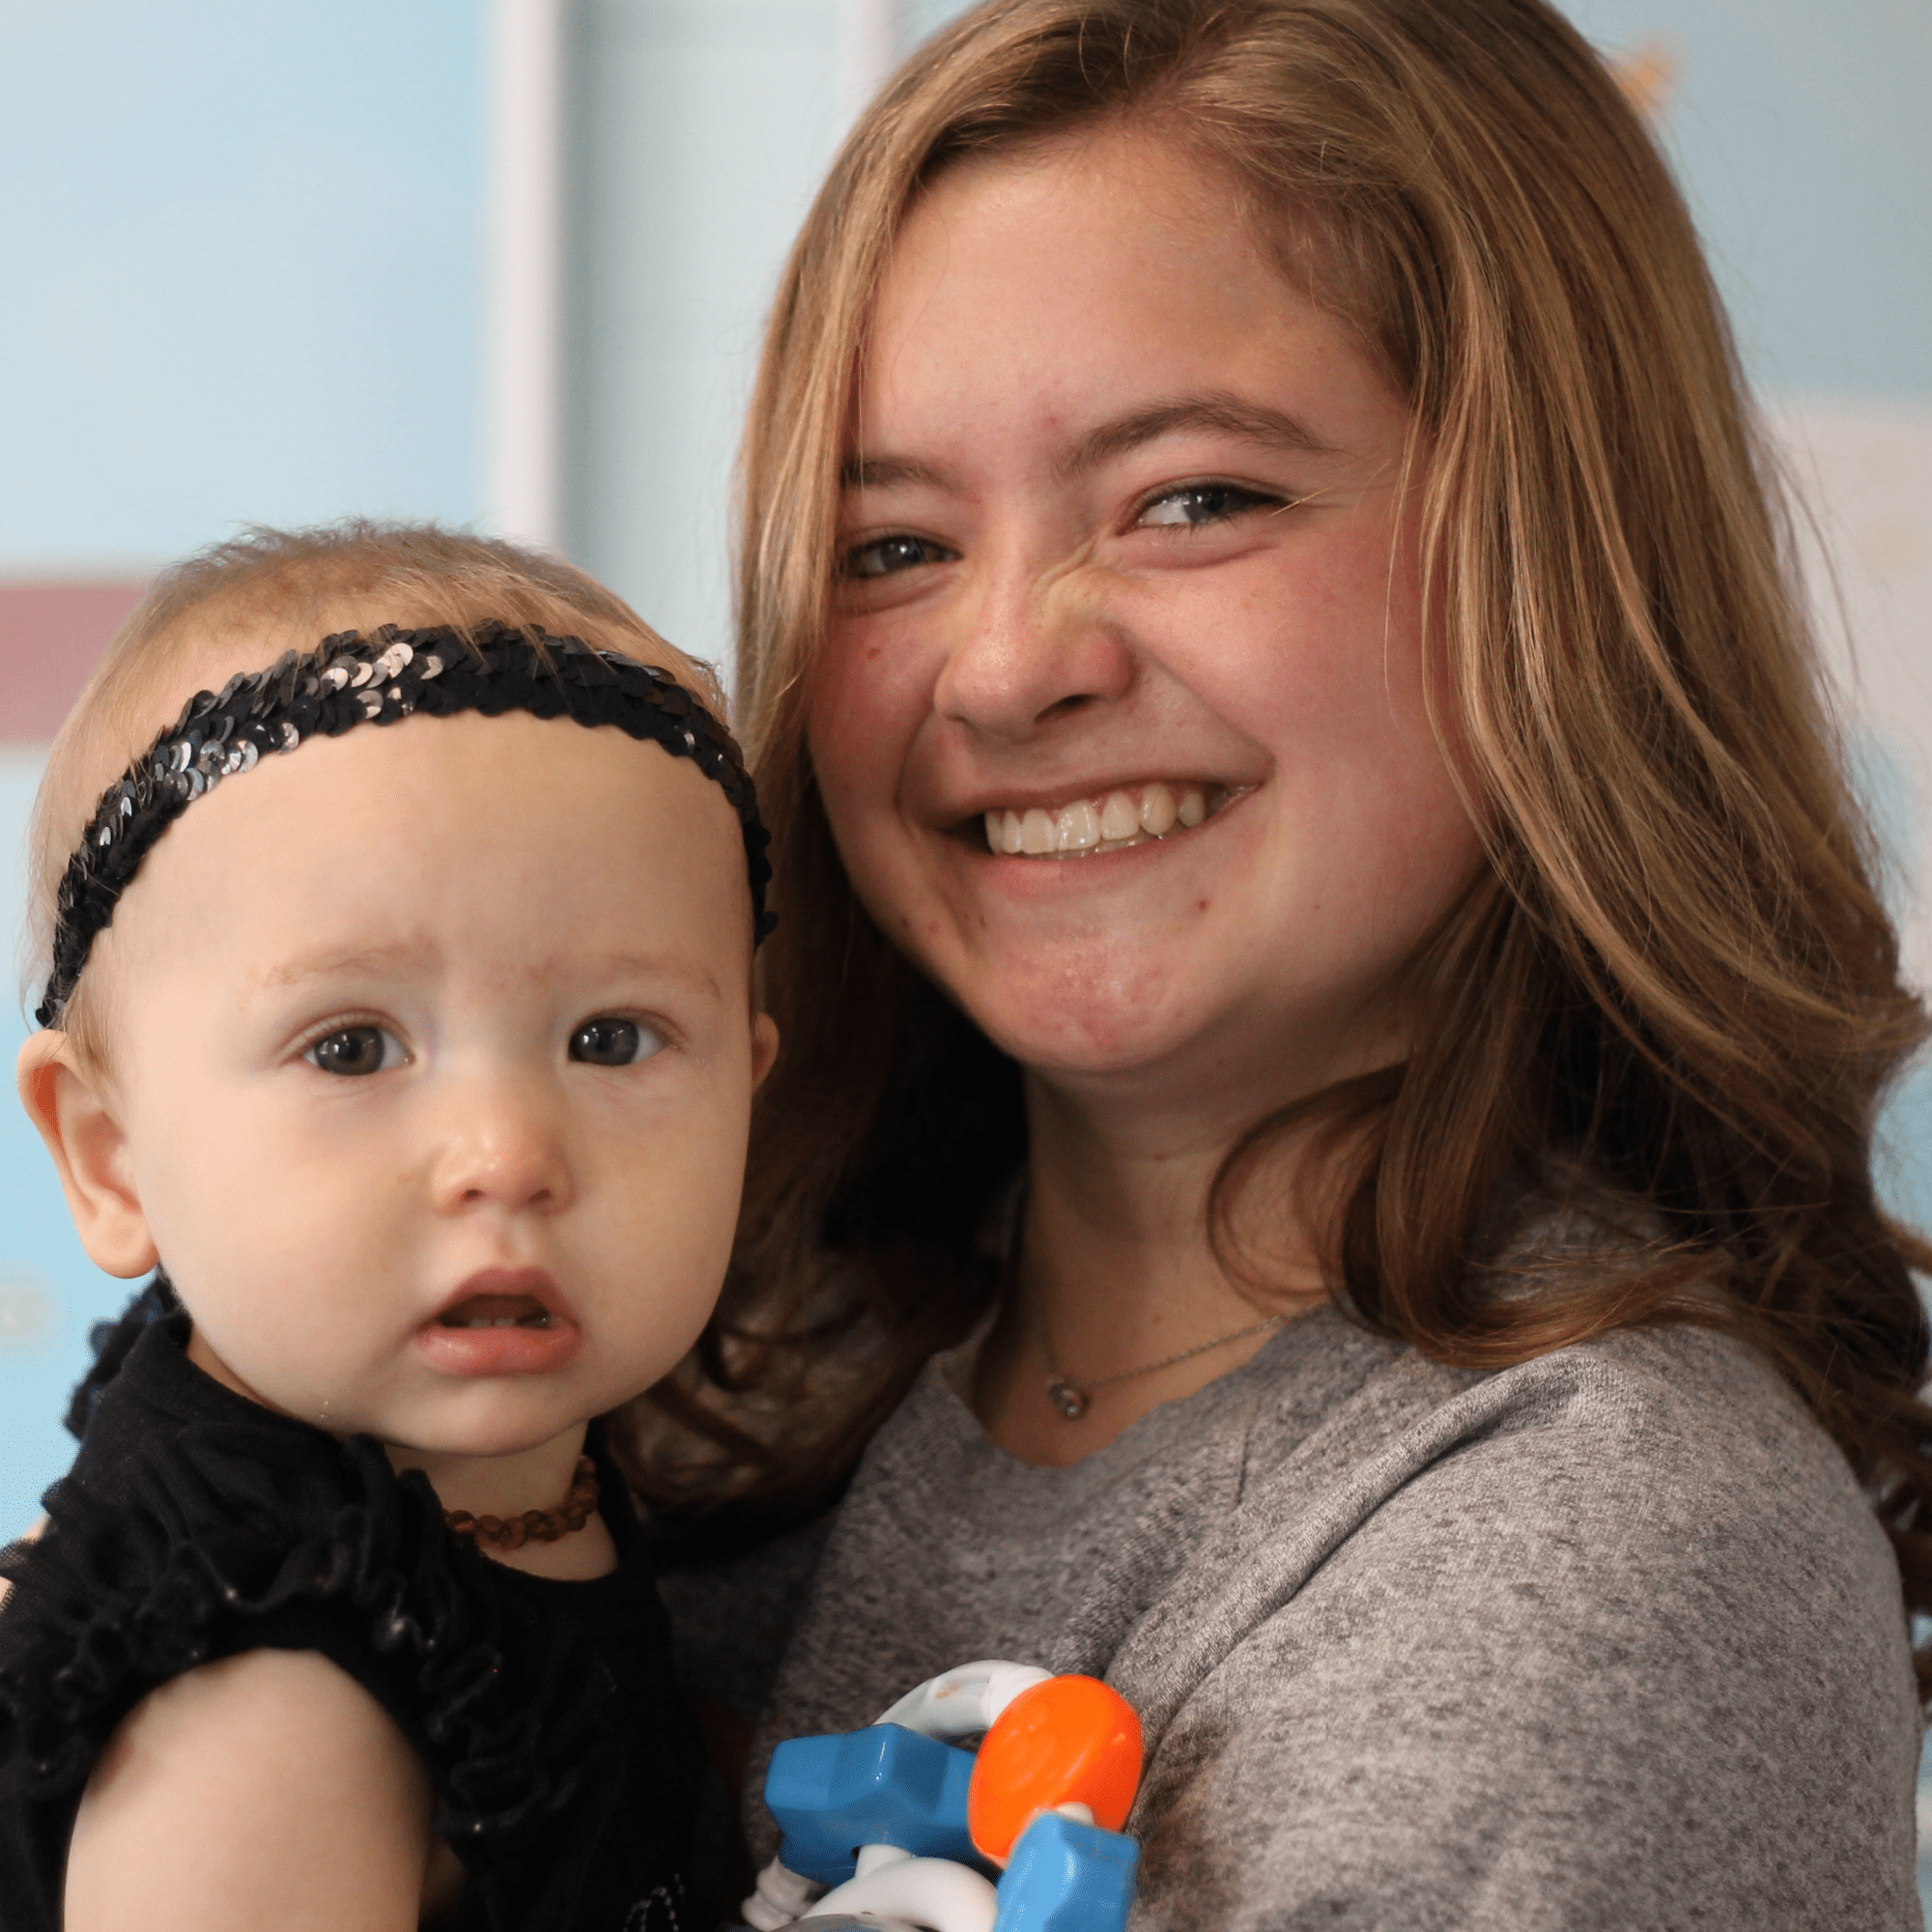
(495, 1311)
(503, 1298)
(501, 1321)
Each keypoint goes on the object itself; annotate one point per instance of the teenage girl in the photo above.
(1335, 1000)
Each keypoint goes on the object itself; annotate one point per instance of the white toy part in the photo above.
(782, 1898)
(935, 1894)
(966, 1702)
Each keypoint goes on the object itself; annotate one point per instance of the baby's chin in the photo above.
(419, 1418)
(480, 1426)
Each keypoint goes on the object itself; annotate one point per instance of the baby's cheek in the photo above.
(653, 1257)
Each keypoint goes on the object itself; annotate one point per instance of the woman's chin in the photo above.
(1096, 1023)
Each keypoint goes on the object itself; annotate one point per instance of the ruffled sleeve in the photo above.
(242, 1533)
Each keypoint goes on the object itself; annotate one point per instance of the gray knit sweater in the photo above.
(1609, 1640)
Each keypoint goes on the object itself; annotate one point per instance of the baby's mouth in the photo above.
(1110, 822)
(495, 1311)
(501, 1321)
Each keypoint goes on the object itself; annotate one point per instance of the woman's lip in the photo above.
(1069, 791)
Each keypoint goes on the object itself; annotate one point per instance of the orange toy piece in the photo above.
(1071, 1740)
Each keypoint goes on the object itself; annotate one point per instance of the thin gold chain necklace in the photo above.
(1073, 1398)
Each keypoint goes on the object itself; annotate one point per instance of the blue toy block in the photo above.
(1066, 1877)
(884, 1785)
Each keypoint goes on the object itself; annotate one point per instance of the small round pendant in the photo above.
(1067, 1397)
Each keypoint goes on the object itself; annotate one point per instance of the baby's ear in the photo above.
(74, 1111)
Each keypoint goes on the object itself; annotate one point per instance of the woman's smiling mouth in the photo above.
(1108, 821)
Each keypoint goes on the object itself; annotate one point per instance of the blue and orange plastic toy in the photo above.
(911, 1830)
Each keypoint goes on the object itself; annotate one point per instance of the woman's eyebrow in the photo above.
(881, 472)
(1218, 411)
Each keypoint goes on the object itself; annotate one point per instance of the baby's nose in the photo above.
(503, 1145)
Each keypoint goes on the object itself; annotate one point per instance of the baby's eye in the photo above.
(356, 1050)
(613, 1043)
(883, 557)
(1204, 503)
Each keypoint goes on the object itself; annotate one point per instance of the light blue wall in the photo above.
(699, 130)
(242, 248)
(1801, 134)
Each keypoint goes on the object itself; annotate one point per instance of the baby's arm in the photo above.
(26, 1536)
(269, 1789)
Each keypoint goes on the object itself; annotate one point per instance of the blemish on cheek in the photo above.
(932, 929)
(1201, 906)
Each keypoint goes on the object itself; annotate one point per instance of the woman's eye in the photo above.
(884, 557)
(613, 1043)
(356, 1050)
(1204, 503)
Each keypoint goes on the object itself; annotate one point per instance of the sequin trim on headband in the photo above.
(349, 680)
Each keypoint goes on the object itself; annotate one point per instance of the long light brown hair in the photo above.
(1673, 978)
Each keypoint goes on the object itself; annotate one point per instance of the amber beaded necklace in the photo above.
(534, 1525)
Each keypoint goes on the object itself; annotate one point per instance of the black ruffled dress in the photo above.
(195, 1524)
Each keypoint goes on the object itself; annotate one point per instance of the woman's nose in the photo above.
(1033, 648)
(503, 1146)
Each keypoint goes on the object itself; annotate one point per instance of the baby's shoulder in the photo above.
(293, 1758)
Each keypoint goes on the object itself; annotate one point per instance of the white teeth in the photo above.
(1118, 819)
(1157, 813)
(1078, 827)
(1099, 825)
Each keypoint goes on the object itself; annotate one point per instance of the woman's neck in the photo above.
(1115, 1271)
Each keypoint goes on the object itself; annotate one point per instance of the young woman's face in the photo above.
(1123, 555)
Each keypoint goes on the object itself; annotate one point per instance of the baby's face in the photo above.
(433, 1053)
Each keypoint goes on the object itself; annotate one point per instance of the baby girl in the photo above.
(398, 896)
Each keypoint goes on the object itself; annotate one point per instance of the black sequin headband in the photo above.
(349, 680)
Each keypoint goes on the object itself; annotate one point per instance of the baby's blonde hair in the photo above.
(287, 588)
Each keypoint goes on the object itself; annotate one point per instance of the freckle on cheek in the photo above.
(1201, 906)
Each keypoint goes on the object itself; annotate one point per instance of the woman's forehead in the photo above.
(1069, 292)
